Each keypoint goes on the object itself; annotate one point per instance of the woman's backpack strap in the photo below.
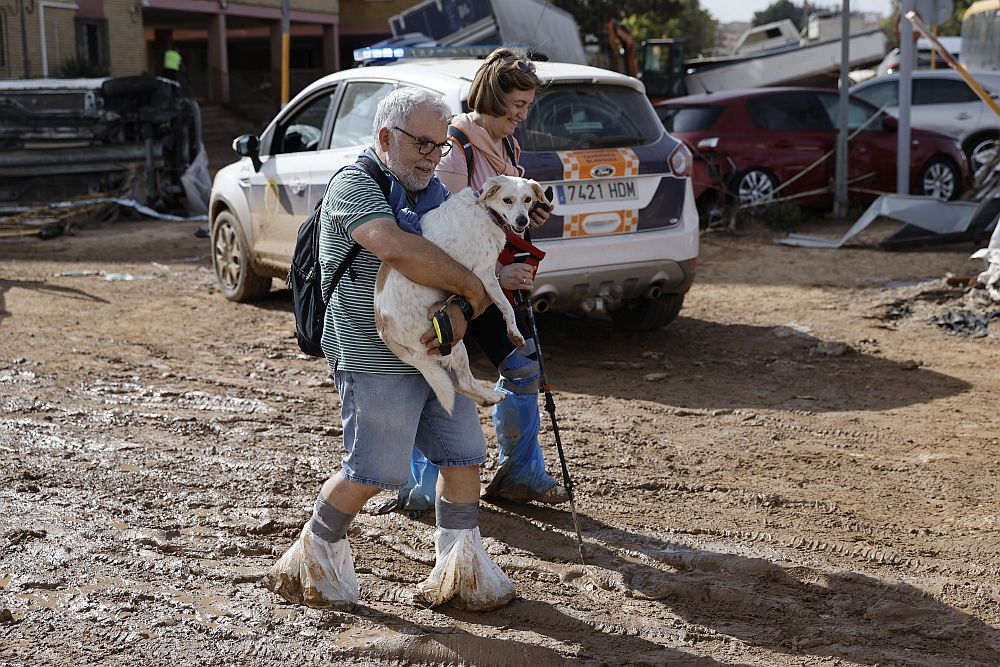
(457, 136)
(508, 145)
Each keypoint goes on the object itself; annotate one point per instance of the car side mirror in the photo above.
(248, 145)
(889, 123)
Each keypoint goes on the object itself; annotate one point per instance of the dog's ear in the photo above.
(490, 189)
(543, 196)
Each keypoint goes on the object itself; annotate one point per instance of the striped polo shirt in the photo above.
(350, 339)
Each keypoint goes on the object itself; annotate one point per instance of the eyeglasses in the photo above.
(526, 66)
(426, 146)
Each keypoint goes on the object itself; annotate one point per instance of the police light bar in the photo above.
(377, 53)
(370, 53)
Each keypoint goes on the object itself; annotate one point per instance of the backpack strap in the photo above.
(459, 137)
(375, 171)
(508, 146)
(343, 267)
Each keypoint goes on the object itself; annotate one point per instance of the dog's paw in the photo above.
(492, 398)
(516, 338)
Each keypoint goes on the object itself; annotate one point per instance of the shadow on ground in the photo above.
(792, 610)
(689, 353)
(41, 286)
(422, 645)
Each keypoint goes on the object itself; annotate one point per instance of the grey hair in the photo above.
(396, 106)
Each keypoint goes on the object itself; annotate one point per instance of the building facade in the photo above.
(230, 49)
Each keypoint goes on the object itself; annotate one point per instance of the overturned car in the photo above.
(136, 136)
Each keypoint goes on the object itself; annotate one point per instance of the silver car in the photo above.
(943, 102)
(623, 239)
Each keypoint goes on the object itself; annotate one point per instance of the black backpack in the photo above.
(305, 276)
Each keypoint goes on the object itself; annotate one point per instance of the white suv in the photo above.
(623, 238)
(943, 102)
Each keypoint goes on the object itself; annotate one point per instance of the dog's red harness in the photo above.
(519, 250)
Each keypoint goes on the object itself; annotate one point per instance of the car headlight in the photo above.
(680, 161)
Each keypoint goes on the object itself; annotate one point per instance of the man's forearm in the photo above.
(422, 262)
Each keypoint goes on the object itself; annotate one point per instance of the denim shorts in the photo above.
(385, 416)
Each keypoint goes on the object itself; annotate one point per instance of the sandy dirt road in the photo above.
(750, 492)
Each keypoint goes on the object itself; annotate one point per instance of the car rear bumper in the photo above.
(618, 267)
(569, 290)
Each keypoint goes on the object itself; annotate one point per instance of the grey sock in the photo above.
(458, 516)
(328, 523)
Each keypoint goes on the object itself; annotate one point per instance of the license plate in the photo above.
(596, 191)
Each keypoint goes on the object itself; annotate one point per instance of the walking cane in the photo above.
(523, 301)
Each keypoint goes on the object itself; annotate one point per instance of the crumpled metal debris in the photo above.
(934, 215)
(197, 183)
(60, 217)
(131, 203)
(966, 322)
(109, 277)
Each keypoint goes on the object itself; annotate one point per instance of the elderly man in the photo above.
(387, 406)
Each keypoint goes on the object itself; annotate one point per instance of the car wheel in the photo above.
(647, 314)
(755, 186)
(939, 178)
(231, 261)
(981, 152)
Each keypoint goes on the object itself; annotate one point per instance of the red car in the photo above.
(772, 134)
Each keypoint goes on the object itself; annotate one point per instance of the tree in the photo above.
(591, 15)
(778, 10)
(691, 23)
(953, 26)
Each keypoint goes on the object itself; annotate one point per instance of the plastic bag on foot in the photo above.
(465, 574)
(315, 573)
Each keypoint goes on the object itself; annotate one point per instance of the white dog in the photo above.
(470, 229)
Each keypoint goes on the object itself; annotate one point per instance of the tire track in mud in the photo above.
(879, 552)
(782, 543)
(753, 594)
(872, 545)
(435, 649)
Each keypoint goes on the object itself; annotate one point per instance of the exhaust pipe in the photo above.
(653, 291)
(542, 303)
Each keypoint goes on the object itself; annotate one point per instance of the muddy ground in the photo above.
(750, 492)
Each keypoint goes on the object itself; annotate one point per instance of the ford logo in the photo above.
(602, 170)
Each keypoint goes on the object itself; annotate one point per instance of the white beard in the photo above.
(407, 177)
